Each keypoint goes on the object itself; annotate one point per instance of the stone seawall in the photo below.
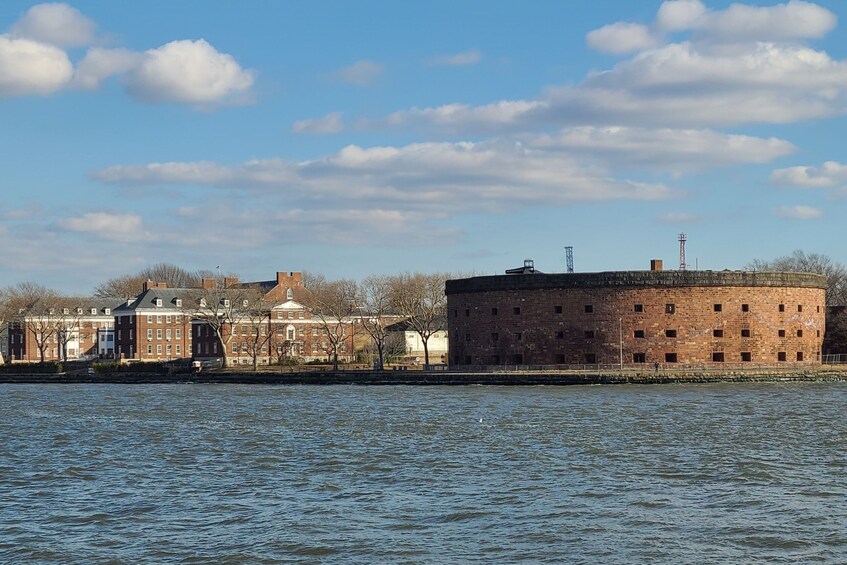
(435, 378)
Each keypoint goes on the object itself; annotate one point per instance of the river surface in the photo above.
(729, 473)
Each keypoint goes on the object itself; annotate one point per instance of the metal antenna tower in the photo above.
(569, 258)
(682, 240)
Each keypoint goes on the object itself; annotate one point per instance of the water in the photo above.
(255, 474)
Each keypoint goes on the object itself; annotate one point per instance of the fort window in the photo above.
(819, 333)
(495, 336)
(799, 307)
(781, 333)
(467, 359)
(517, 358)
(746, 357)
(745, 332)
(560, 358)
(590, 358)
(670, 333)
(745, 307)
(589, 308)
(639, 357)
(494, 311)
(799, 355)
(558, 309)
(718, 333)
(638, 333)
(467, 312)
(455, 314)
(516, 310)
(467, 336)
(670, 357)
(782, 307)
(717, 356)
(518, 336)
(589, 334)
(560, 335)
(799, 333)
(495, 359)
(819, 309)
(638, 308)
(670, 308)
(718, 307)
(780, 356)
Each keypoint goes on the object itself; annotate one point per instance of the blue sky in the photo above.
(354, 138)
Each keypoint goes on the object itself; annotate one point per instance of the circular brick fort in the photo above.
(716, 318)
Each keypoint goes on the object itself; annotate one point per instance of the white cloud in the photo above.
(677, 15)
(434, 177)
(99, 64)
(57, 24)
(360, 73)
(663, 149)
(470, 57)
(29, 67)
(110, 227)
(621, 38)
(798, 212)
(792, 20)
(191, 72)
(829, 175)
(331, 123)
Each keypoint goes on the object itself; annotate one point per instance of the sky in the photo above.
(351, 138)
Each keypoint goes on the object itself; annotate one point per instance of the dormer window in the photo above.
(158, 302)
(178, 301)
(93, 311)
(79, 310)
(244, 303)
(51, 311)
(65, 311)
(107, 311)
(203, 302)
(289, 294)
(226, 302)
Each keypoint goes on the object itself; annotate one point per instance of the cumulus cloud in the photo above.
(621, 38)
(99, 64)
(29, 67)
(331, 123)
(111, 227)
(742, 65)
(360, 73)
(666, 149)
(190, 72)
(798, 212)
(470, 57)
(57, 24)
(830, 174)
(432, 177)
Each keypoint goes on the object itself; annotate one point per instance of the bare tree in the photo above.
(333, 304)
(4, 321)
(802, 262)
(420, 299)
(256, 316)
(221, 308)
(37, 309)
(68, 322)
(375, 309)
(128, 286)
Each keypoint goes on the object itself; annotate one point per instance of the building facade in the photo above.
(632, 318)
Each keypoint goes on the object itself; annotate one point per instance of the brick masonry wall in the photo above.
(757, 318)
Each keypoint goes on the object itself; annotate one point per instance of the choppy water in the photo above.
(254, 474)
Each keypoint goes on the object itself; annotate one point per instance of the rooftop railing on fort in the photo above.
(835, 359)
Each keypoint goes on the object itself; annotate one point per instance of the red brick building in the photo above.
(637, 317)
(154, 325)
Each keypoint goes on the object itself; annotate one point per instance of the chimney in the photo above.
(207, 284)
(655, 265)
(148, 284)
(230, 282)
(290, 279)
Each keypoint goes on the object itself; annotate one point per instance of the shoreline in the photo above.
(434, 378)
